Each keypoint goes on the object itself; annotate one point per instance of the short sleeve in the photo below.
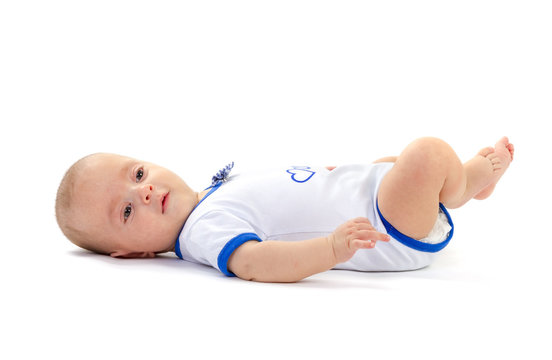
(213, 238)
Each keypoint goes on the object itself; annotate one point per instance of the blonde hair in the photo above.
(65, 216)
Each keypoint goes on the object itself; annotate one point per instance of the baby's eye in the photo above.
(139, 174)
(128, 211)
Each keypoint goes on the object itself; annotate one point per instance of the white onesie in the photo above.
(297, 203)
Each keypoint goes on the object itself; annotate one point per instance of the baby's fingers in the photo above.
(361, 220)
(363, 244)
(372, 235)
(369, 241)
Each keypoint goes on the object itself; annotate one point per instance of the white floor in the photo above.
(195, 85)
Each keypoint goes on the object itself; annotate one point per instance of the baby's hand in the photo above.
(354, 235)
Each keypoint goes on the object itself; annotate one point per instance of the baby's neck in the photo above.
(201, 195)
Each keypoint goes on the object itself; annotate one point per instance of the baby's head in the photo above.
(123, 207)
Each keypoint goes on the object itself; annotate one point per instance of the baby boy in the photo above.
(281, 225)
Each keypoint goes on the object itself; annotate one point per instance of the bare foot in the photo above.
(500, 157)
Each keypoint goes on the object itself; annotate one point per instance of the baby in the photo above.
(282, 225)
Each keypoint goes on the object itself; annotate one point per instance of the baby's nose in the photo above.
(145, 193)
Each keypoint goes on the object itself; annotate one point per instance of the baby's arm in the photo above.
(281, 261)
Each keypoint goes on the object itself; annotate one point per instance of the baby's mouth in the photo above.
(164, 202)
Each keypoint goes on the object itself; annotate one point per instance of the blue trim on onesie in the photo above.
(177, 243)
(230, 247)
(213, 188)
(177, 248)
(413, 243)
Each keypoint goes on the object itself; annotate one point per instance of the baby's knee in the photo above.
(431, 149)
(428, 156)
(430, 144)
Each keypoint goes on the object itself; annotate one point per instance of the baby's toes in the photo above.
(495, 161)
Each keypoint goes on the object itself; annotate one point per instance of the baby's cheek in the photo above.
(162, 232)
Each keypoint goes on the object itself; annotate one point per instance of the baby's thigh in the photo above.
(408, 196)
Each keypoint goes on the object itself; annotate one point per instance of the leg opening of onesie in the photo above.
(438, 238)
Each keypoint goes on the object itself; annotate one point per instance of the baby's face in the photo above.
(134, 208)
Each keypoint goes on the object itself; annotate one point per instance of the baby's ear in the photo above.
(132, 255)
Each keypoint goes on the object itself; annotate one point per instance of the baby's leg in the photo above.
(428, 172)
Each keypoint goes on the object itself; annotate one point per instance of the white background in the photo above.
(195, 85)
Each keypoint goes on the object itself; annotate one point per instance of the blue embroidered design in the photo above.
(301, 174)
(222, 175)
